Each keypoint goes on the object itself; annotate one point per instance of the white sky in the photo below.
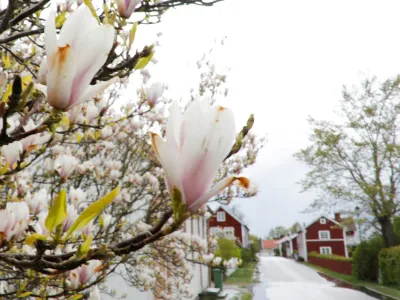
(289, 60)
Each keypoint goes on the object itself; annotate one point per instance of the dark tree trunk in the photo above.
(389, 237)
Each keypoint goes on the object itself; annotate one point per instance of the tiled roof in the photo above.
(269, 244)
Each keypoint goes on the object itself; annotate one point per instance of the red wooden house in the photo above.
(224, 223)
(323, 235)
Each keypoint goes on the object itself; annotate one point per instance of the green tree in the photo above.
(227, 249)
(277, 232)
(357, 160)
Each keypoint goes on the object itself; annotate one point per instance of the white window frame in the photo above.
(320, 232)
(221, 216)
(229, 231)
(322, 221)
(328, 250)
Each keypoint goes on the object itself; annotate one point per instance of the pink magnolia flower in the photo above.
(154, 92)
(14, 220)
(84, 273)
(74, 59)
(126, 7)
(196, 144)
(12, 153)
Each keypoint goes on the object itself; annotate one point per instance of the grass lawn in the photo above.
(390, 291)
(243, 275)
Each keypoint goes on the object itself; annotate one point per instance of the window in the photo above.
(220, 216)
(229, 231)
(322, 221)
(215, 230)
(324, 235)
(325, 250)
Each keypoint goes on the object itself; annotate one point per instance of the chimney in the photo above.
(337, 217)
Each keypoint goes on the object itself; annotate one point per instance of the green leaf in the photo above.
(84, 248)
(57, 212)
(132, 34)
(143, 61)
(31, 239)
(92, 211)
(76, 297)
(178, 207)
(92, 9)
(23, 295)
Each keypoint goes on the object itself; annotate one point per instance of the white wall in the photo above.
(200, 273)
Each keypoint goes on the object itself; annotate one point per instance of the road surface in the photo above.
(284, 279)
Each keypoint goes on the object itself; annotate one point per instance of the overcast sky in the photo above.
(289, 60)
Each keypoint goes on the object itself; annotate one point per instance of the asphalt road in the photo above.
(284, 279)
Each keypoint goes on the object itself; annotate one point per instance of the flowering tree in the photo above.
(86, 189)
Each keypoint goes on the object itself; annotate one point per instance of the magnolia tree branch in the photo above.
(67, 262)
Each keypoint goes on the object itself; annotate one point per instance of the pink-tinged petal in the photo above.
(121, 7)
(218, 187)
(77, 26)
(50, 35)
(92, 90)
(169, 159)
(208, 135)
(173, 130)
(62, 68)
(91, 54)
(131, 6)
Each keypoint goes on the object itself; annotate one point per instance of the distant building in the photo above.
(225, 223)
(323, 235)
(268, 247)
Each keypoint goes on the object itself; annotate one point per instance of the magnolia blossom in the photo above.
(12, 153)
(76, 196)
(14, 220)
(217, 261)
(95, 294)
(74, 59)
(65, 165)
(126, 7)
(38, 202)
(207, 258)
(84, 273)
(154, 92)
(196, 144)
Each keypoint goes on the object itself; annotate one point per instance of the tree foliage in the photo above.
(355, 162)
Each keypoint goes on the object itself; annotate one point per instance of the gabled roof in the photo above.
(269, 244)
(329, 219)
(227, 210)
(287, 238)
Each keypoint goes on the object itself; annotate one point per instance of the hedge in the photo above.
(389, 265)
(329, 256)
(365, 259)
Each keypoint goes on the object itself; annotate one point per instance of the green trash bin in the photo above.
(218, 276)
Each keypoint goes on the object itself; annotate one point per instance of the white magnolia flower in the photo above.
(12, 153)
(154, 92)
(38, 202)
(95, 294)
(76, 196)
(74, 59)
(14, 220)
(65, 165)
(196, 144)
(84, 273)
(207, 258)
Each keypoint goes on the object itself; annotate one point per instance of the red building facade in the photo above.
(223, 220)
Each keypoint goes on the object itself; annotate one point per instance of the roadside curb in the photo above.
(359, 285)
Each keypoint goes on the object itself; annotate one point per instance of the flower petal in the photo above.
(50, 35)
(169, 159)
(218, 187)
(76, 27)
(93, 90)
(208, 134)
(62, 68)
(91, 53)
